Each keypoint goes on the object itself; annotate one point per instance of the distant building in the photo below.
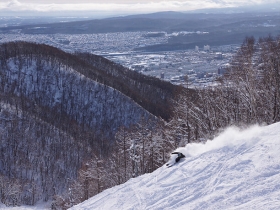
(206, 48)
(223, 69)
(196, 48)
(137, 67)
(208, 75)
(162, 75)
(155, 34)
(219, 56)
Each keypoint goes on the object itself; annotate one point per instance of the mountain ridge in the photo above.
(58, 111)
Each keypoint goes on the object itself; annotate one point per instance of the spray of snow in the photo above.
(231, 137)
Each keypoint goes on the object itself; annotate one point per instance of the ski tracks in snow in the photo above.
(138, 192)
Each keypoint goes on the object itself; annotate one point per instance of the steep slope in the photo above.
(237, 170)
(36, 158)
(151, 93)
(53, 117)
(52, 84)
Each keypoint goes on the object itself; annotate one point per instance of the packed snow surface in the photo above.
(40, 206)
(239, 169)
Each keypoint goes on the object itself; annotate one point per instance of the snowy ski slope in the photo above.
(237, 170)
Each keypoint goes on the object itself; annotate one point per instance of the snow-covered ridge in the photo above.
(52, 118)
(239, 169)
(56, 85)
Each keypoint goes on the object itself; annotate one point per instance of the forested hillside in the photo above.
(57, 111)
(249, 93)
(153, 94)
(66, 135)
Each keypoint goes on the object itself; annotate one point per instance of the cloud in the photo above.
(13, 3)
(131, 6)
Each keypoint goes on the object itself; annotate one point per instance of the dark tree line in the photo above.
(153, 94)
(139, 149)
(51, 84)
(35, 159)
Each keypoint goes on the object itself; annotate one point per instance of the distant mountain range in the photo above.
(222, 27)
(166, 21)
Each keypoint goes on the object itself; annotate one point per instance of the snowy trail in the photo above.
(237, 170)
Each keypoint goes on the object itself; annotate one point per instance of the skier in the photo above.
(180, 155)
(174, 160)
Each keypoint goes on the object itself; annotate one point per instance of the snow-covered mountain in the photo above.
(239, 169)
(58, 110)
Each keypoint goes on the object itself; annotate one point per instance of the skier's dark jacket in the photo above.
(180, 155)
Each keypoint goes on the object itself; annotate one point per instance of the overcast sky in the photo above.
(122, 6)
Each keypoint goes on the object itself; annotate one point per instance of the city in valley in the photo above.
(199, 66)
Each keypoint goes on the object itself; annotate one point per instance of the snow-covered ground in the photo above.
(40, 206)
(237, 170)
